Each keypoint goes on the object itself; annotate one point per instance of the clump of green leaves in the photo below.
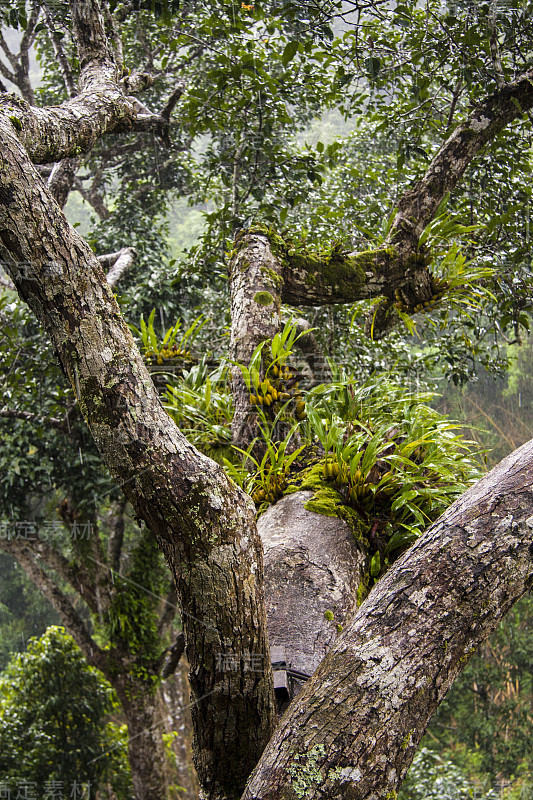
(266, 478)
(269, 378)
(132, 621)
(390, 455)
(201, 404)
(387, 455)
(156, 349)
(54, 721)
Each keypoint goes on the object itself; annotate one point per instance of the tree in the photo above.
(54, 731)
(353, 729)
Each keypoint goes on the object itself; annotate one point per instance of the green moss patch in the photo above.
(263, 298)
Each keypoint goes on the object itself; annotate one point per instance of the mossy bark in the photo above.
(204, 524)
(314, 279)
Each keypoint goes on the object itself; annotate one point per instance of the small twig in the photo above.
(455, 97)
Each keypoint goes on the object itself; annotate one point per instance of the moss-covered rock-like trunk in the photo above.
(204, 524)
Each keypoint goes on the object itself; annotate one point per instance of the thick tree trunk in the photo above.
(353, 730)
(255, 279)
(204, 524)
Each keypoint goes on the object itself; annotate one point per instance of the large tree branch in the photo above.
(204, 524)
(255, 312)
(359, 720)
(398, 271)
(102, 106)
(118, 263)
(418, 205)
(52, 134)
(115, 522)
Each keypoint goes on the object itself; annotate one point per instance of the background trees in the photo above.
(54, 732)
(232, 86)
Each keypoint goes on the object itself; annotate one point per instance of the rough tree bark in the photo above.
(255, 281)
(313, 565)
(204, 524)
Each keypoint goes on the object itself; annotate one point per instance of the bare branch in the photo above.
(75, 574)
(169, 611)
(173, 99)
(92, 197)
(120, 263)
(62, 178)
(417, 206)
(10, 76)
(115, 523)
(173, 656)
(62, 60)
(11, 57)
